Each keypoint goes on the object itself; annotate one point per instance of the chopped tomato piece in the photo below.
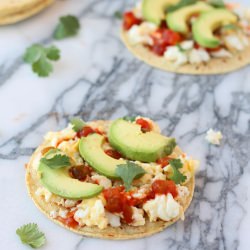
(85, 132)
(116, 202)
(162, 38)
(145, 125)
(114, 199)
(163, 161)
(69, 220)
(129, 19)
(213, 49)
(80, 172)
(113, 153)
(164, 187)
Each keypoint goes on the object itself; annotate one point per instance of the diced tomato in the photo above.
(114, 199)
(164, 187)
(213, 49)
(196, 46)
(129, 19)
(127, 213)
(163, 161)
(113, 153)
(80, 172)
(86, 130)
(145, 125)
(162, 38)
(116, 202)
(69, 220)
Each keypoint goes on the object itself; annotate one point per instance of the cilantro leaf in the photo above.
(30, 235)
(38, 56)
(230, 27)
(77, 124)
(217, 3)
(118, 15)
(67, 27)
(180, 4)
(176, 175)
(128, 172)
(55, 159)
(129, 118)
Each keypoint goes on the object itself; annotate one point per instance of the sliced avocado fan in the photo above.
(128, 139)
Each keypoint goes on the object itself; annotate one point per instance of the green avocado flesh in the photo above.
(58, 182)
(90, 148)
(128, 139)
(178, 20)
(154, 10)
(207, 23)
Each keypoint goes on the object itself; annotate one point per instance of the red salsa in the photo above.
(129, 19)
(145, 125)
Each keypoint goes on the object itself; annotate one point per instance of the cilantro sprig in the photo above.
(175, 174)
(39, 57)
(129, 118)
(128, 172)
(118, 14)
(68, 26)
(30, 235)
(77, 124)
(55, 159)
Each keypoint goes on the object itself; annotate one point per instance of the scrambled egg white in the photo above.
(214, 137)
(91, 212)
(141, 33)
(138, 219)
(163, 207)
(102, 180)
(53, 138)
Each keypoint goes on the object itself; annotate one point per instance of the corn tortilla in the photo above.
(214, 66)
(21, 14)
(121, 233)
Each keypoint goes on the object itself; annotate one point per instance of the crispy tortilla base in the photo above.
(214, 66)
(122, 233)
(21, 14)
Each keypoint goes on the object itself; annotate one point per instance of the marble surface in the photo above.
(97, 78)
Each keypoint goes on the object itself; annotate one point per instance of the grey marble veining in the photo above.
(97, 78)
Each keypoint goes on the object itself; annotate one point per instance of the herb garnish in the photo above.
(30, 235)
(128, 172)
(67, 27)
(39, 57)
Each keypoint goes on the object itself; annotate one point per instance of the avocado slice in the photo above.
(209, 21)
(128, 139)
(178, 20)
(58, 182)
(154, 10)
(90, 148)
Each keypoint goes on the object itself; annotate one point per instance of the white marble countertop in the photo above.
(98, 78)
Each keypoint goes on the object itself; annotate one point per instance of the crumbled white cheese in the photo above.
(214, 137)
(234, 42)
(187, 45)
(174, 54)
(102, 180)
(91, 212)
(141, 33)
(222, 53)
(113, 219)
(197, 56)
(48, 196)
(163, 207)
(138, 219)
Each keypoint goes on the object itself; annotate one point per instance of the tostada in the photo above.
(189, 36)
(118, 179)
